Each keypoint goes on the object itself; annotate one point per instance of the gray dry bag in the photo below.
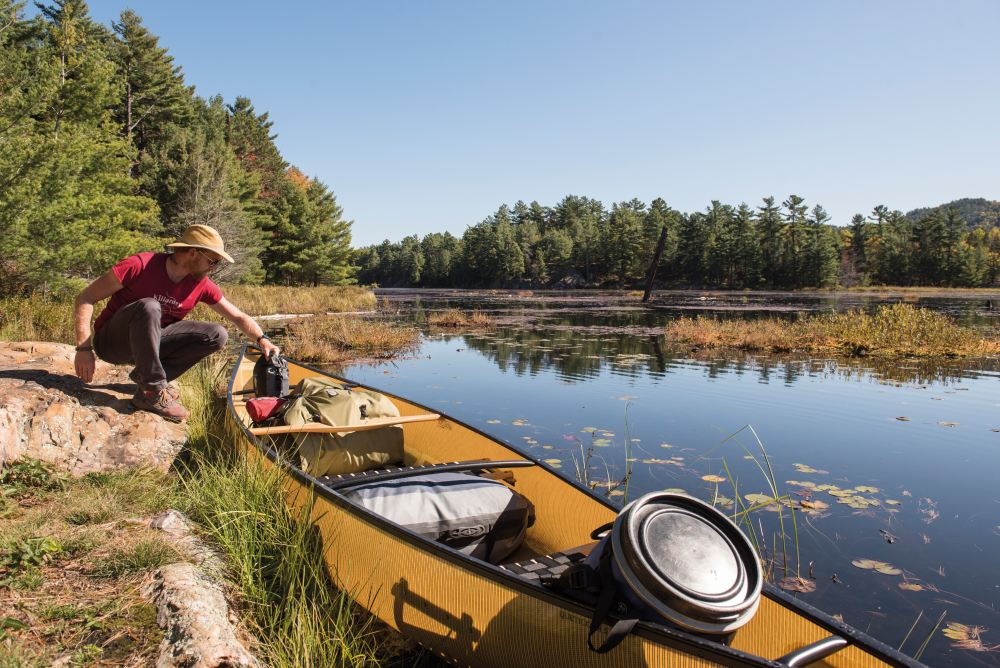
(481, 517)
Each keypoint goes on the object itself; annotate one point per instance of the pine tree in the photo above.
(67, 206)
(793, 241)
(154, 96)
(770, 227)
(822, 257)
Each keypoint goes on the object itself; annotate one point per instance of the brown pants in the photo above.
(133, 335)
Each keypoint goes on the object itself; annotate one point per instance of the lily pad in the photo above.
(864, 489)
(805, 468)
(797, 584)
(589, 430)
(911, 586)
(602, 442)
(713, 478)
(758, 498)
(945, 423)
(493, 421)
(674, 490)
(877, 566)
(814, 505)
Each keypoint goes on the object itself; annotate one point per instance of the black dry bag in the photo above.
(270, 376)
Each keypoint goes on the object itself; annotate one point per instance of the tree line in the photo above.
(105, 151)
(789, 244)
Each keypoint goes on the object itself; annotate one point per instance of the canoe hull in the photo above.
(477, 614)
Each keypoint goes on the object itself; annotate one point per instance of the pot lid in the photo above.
(687, 560)
(687, 551)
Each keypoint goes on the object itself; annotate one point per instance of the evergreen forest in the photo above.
(105, 151)
(786, 245)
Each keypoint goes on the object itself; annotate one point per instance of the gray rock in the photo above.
(47, 413)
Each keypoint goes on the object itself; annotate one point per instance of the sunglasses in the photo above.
(212, 261)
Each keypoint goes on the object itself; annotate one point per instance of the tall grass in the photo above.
(268, 299)
(742, 511)
(42, 317)
(274, 556)
(49, 316)
(338, 338)
(895, 330)
(453, 318)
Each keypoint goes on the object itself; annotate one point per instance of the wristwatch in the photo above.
(263, 336)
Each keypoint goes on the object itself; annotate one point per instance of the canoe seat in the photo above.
(548, 565)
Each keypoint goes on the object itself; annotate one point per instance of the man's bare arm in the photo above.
(83, 310)
(246, 324)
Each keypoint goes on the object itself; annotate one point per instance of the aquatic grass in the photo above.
(741, 512)
(334, 339)
(893, 330)
(455, 319)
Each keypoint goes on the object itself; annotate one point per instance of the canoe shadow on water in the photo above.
(503, 641)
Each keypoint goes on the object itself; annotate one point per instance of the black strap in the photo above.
(605, 602)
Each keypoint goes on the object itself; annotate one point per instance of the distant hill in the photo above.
(976, 211)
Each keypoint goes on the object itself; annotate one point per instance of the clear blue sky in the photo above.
(425, 116)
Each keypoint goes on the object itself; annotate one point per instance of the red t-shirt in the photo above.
(145, 275)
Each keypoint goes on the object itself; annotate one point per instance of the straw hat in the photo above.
(202, 236)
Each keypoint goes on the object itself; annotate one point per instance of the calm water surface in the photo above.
(587, 383)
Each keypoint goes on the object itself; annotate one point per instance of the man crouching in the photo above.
(142, 322)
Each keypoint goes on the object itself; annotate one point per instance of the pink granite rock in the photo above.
(47, 413)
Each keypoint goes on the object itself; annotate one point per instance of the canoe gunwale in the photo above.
(666, 635)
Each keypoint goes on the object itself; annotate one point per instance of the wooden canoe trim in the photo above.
(317, 428)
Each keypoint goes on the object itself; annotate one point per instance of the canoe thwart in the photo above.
(318, 428)
(814, 652)
(354, 479)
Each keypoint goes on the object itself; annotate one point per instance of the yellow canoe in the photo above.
(493, 616)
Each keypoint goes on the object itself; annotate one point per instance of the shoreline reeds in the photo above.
(896, 330)
(336, 339)
(455, 319)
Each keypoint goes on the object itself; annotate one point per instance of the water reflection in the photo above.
(576, 354)
(886, 461)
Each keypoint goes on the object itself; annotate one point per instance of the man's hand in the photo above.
(269, 348)
(85, 364)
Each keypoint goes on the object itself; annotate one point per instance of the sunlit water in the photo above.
(589, 386)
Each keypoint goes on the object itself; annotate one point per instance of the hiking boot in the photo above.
(172, 389)
(159, 402)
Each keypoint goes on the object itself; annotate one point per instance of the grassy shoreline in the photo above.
(73, 555)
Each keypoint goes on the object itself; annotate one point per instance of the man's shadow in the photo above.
(106, 395)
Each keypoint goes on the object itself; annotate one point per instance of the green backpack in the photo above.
(326, 401)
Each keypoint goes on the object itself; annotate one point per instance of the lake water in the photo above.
(898, 461)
